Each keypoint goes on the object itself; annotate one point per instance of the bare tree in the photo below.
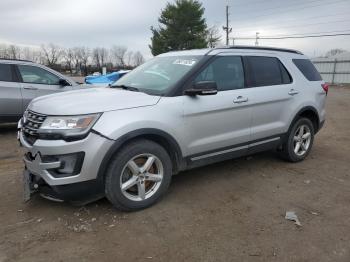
(118, 53)
(69, 58)
(213, 36)
(75, 57)
(100, 56)
(27, 53)
(38, 56)
(104, 54)
(129, 58)
(52, 53)
(334, 52)
(84, 55)
(33, 54)
(96, 57)
(4, 51)
(138, 58)
(14, 52)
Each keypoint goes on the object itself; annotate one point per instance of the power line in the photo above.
(292, 37)
(295, 9)
(311, 18)
(291, 5)
(297, 4)
(305, 34)
(249, 3)
(300, 25)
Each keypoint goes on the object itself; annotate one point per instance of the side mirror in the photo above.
(203, 88)
(63, 82)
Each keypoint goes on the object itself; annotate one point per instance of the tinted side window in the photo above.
(226, 71)
(5, 73)
(36, 75)
(308, 69)
(265, 71)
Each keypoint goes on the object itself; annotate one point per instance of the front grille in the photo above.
(32, 121)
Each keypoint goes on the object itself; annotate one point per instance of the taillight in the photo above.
(325, 87)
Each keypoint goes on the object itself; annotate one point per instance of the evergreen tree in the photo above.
(182, 26)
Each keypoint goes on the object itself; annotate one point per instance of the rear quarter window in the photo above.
(266, 71)
(307, 69)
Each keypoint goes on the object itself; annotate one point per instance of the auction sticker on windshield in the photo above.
(186, 62)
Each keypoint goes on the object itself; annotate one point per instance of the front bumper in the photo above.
(93, 146)
(77, 193)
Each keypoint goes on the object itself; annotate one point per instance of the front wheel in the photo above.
(299, 141)
(138, 175)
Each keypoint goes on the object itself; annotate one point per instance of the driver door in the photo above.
(37, 82)
(219, 125)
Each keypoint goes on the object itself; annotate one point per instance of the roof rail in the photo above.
(11, 59)
(258, 48)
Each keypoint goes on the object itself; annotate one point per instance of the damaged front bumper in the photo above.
(63, 170)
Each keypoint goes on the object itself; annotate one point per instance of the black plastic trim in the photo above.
(304, 109)
(76, 170)
(252, 149)
(17, 74)
(77, 193)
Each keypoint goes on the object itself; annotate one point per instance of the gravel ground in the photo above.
(231, 211)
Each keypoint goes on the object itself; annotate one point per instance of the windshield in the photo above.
(158, 75)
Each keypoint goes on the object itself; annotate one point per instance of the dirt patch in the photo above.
(231, 211)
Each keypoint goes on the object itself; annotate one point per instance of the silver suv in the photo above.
(21, 81)
(178, 111)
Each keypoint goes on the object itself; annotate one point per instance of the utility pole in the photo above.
(227, 28)
(256, 38)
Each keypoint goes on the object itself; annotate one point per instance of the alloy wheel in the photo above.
(141, 177)
(302, 140)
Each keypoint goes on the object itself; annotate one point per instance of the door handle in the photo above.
(30, 88)
(293, 92)
(240, 99)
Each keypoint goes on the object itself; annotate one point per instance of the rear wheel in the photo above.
(138, 175)
(299, 141)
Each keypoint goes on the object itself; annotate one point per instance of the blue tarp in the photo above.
(104, 79)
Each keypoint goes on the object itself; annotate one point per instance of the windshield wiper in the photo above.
(130, 88)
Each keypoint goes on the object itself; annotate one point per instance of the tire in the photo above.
(144, 169)
(290, 151)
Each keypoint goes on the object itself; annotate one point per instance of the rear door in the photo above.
(10, 94)
(37, 81)
(273, 96)
(218, 124)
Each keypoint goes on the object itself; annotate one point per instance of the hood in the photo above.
(85, 86)
(92, 100)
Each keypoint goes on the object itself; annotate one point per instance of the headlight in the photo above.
(68, 125)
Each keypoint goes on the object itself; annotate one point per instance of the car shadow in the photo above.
(214, 173)
(8, 128)
(184, 185)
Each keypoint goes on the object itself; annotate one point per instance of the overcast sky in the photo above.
(127, 22)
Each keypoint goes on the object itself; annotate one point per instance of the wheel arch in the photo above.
(164, 139)
(308, 112)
